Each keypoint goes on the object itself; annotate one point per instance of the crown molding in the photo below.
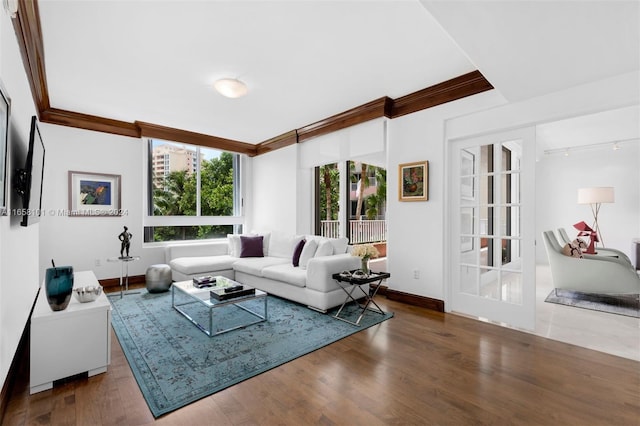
(380, 107)
(29, 34)
(277, 142)
(171, 134)
(459, 87)
(26, 25)
(89, 122)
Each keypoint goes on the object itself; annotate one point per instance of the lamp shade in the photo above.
(602, 194)
(231, 87)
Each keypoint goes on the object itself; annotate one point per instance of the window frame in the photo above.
(237, 220)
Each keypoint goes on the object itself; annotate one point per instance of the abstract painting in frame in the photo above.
(94, 194)
(5, 105)
(413, 181)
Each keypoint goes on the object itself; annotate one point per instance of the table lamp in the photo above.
(595, 197)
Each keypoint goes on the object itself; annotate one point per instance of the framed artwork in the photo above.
(413, 181)
(94, 194)
(5, 104)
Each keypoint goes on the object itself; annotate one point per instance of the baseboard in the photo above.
(115, 282)
(412, 299)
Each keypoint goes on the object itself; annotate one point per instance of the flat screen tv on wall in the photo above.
(5, 108)
(30, 179)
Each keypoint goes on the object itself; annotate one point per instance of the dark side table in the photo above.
(349, 284)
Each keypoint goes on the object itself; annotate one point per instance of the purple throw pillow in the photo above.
(251, 246)
(297, 252)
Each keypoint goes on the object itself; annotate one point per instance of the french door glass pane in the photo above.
(469, 280)
(490, 228)
(511, 283)
(489, 284)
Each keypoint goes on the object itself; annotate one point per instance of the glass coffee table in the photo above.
(214, 316)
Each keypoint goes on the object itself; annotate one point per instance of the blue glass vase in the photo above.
(59, 286)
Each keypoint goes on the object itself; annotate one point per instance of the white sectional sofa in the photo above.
(309, 283)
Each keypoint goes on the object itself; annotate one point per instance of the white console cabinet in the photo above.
(72, 341)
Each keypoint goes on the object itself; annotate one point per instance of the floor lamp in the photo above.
(595, 197)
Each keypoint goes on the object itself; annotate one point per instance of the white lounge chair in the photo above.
(564, 239)
(591, 274)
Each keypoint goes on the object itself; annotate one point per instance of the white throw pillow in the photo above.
(339, 245)
(324, 249)
(234, 244)
(308, 251)
(281, 245)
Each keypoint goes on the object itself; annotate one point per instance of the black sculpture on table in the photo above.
(125, 237)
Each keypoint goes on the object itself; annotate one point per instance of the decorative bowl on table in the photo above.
(88, 293)
(359, 274)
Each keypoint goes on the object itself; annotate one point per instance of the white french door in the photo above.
(492, 230)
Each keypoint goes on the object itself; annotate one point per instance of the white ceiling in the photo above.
(303, 61)
(607, 127)
(530, 48)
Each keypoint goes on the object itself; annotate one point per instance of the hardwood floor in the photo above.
(421, 367)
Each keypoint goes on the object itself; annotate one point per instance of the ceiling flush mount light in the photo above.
(230, 87)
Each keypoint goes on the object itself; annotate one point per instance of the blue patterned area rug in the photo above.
(628, 305)
(175, 363)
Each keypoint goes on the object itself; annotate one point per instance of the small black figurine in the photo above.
(125, 236)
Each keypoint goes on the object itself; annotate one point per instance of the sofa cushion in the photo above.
(234, 244)
(255, 265)
(339, 245)
(202, 264)
(286, 273)
(325, 248)
(308, 251)
(281, 245)
(297, 252)
(251, 246)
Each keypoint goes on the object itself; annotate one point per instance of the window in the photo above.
(193, 192)
(364, 213)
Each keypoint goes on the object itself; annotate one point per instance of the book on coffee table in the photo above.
(232, 292)
(205, 281)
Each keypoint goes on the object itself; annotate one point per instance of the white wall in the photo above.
(416, 229)
(274, 189)
(87, 242)
(19, 280)
(558, 179)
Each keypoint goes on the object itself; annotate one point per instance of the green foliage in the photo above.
(178, 196)
(329, 191)
(376, 203)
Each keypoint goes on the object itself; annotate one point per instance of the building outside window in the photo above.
(193, 192)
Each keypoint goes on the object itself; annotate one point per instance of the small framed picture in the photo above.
(413, 181)
(94, 194)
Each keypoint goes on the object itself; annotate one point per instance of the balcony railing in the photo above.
(361, 231)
